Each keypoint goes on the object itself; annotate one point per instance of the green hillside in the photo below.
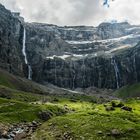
(68, 116)
(128, 91)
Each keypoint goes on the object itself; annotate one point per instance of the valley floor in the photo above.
(70, 119)
(90, 121)
(41, 116)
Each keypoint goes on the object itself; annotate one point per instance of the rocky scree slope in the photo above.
(106, 56)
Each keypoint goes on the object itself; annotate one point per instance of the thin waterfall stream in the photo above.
(25, 55)
(117, 73)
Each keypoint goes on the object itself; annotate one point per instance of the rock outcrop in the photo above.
(10, 42)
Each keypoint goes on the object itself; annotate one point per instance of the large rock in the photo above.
(45, 115)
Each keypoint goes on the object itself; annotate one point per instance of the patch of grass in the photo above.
(12, 111)
(22, 84)
(18, 95)
(89, 120)
(128, 91)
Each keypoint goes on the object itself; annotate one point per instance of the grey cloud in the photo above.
(74, 12)
(62, 12)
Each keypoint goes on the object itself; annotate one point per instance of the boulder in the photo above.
(115, 104)
(115, 132)
(109, 108)
(45, 115)
(126, 108)
(120, 104)
(4, 134)
(20, 136)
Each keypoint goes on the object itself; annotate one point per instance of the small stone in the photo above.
(130, 129)
(50, 124)
(109, 108)
(20, 136)
(99, 132)
(115, 132)
(34, 123)
(66, 126)
(4, 134)
(12, 135)
(108, 134)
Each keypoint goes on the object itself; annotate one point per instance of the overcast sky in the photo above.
(75, 12)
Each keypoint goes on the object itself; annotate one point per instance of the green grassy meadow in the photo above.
(73, 117)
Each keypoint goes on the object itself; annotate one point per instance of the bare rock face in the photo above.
(10, 42)
(84, 56)
(106, 56)
(109, 30)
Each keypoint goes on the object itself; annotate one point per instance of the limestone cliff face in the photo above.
(10, 42)
(108, 30)
(102, 72)
(73, 63)
(106, 56)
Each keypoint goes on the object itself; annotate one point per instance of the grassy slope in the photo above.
(16, 98)
(89, 119)
(18, 83)
(12, 111)
(129, 91)
(84, 119)
(21, 93)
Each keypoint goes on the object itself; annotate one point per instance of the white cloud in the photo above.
(75, 12)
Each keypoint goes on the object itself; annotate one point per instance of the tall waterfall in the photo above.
(25, 55)
(117, 73)
(84, 72)
(135, 69)
(55, 72)
(73, 73)
(24, 46)
(29, 72)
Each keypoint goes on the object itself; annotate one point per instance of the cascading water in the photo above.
(72, 67)
(117, 73)
(55, 73)
(135, 69)
(25, 55)
(24, 46)
(29, 72)
(84, 73)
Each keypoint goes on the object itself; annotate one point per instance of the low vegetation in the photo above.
(92, 121)
(71, 117)
(130, 91)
